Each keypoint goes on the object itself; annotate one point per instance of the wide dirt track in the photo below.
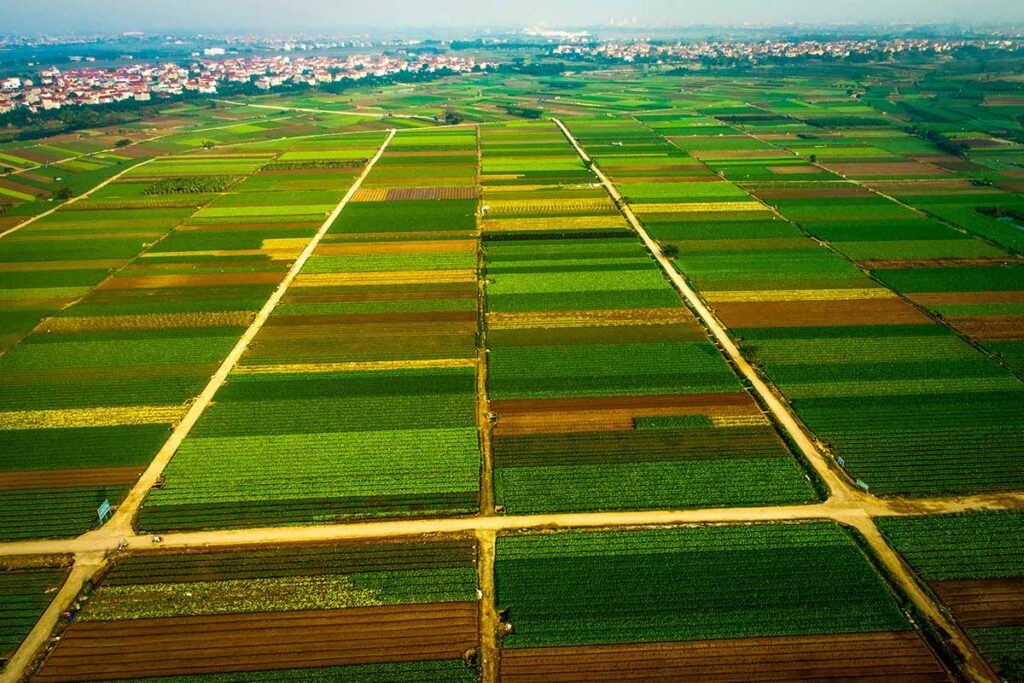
(90, 651)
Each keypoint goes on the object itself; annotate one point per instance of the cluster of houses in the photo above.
(90, 85)
(641, 50)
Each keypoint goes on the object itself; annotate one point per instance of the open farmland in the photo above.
(617, 374)
(709, 603)
(974, 564)
(606, 391)
(149, 307)
(372, 349)
(902, 403)
(24, 594)
(385, 612)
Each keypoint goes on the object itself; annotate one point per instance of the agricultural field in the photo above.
(371, 350)
(392, 382)
(153, 290)
(25, 591)
(367, 612)
(607, 392)
(783, 264)
(703, 603)
(974, 564)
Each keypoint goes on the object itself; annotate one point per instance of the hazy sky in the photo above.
(51, 16)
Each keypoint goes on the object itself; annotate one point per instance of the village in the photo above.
(839, 49)
(88, 85)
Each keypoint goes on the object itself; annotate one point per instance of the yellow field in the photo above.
(695, 207)
(598, 318)
(799, 295)
(288, 368)
(156, 321)
(555, 223)
(406, 277)
(90, 417)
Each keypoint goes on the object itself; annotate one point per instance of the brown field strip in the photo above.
(891, 264)
(990, 328)
(888, 656)
(855, 168)
(747, 314)
(983, 603)
(48, 479)
(824, 191)
(523, 417)
(359, 296)
(34, 266)
(940, 298)
(795, 169)
(261, 641)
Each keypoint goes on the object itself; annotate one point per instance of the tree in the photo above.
(123, 142)
(813, 158)
(62, 194)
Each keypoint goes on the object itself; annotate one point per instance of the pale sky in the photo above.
(322, 16)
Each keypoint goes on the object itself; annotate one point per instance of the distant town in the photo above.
(213, 68)
(641, 50)
(87, 85)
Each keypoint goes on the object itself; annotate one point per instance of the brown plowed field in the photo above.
(261, 641)
(897, 263)
(407, 193)
(48, 479)
(745, 314)
(882, 168)
(939, 298)
(560, 416)
(823, 191)
(638, 404)
(892, 656)
(990, 327)
(982, 603)
(795, 169)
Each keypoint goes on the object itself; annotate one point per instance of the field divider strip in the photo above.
(838, 488)
(121, 522)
